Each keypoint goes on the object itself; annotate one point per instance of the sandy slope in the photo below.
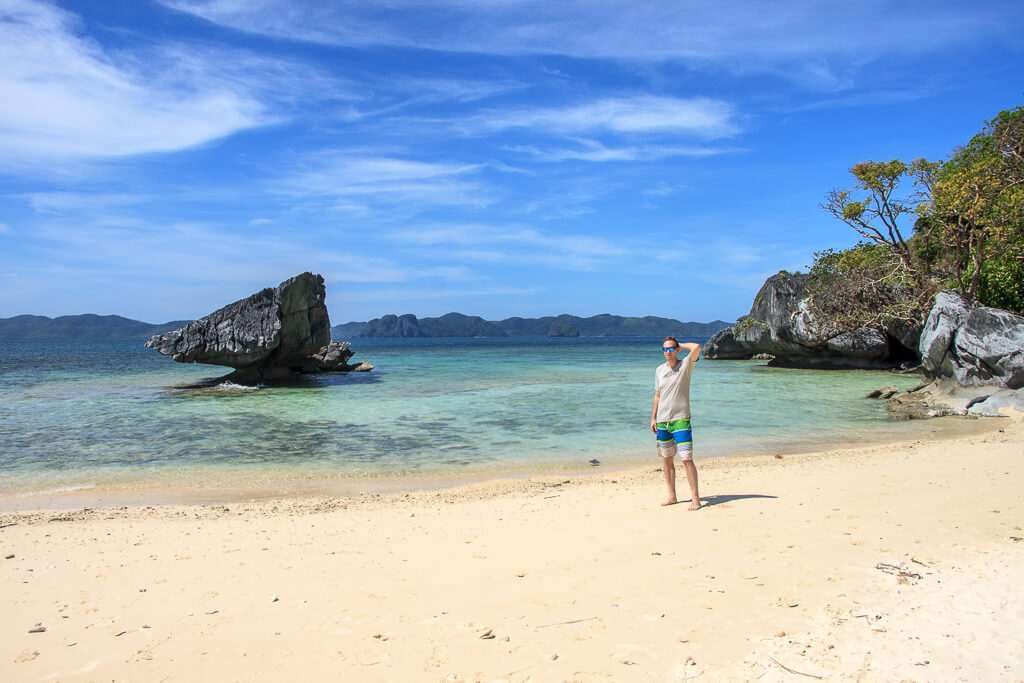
(548, 579)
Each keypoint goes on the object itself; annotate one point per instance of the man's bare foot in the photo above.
(696, 505)
(670, 501)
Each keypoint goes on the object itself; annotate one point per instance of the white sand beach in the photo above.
(897, 562)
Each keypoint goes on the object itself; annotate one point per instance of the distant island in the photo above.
(459, 325)
(87, 327)
(115, 327)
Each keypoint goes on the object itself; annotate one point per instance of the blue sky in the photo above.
(496, 158)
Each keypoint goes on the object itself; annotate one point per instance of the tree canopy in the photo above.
(927, 226)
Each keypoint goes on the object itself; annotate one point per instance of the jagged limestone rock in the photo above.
(780, 324)
(274, 333)
(973, 344)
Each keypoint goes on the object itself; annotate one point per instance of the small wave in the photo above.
(59, 489)
(231, 386)
(226, 388)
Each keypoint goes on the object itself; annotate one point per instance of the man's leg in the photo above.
(669, 465)
(667, 450)
(691, 478)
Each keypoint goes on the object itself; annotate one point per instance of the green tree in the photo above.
(885, 278)
(879, 204)
(926, 226)
(978, 204)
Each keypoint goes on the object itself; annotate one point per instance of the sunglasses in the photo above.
(666, 349)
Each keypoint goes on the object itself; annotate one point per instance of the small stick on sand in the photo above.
(563, 623)
(793, 671)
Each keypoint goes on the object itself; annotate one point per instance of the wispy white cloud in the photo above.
(643, 114)
(453, 89)
(744, 34)
(88, 203)
(387, 99)
(662, 189)
(596, 151)
(357, 177)
(513, 245)
(472, 234)
(66, 97)
(5, 229)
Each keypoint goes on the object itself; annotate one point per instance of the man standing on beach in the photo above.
(670, 417)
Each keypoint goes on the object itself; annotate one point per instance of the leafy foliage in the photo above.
(878, 213)
(865, 286)
(967, 232)
(978, 203)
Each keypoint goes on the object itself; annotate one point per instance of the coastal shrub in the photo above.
(864, 286)
(1001, 284)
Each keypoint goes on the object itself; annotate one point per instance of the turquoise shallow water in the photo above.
(94, 414)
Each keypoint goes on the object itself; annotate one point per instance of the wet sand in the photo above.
(894, 562)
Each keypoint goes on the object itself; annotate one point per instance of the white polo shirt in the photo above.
(673, 387)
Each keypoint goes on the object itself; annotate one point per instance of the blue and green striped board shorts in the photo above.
(676, 433)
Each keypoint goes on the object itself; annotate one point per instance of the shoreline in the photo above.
(887, 562)
(233, 485)
(370, 492)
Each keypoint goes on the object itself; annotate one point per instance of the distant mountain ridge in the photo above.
(87, 327)
(90, 326)
(459, 325)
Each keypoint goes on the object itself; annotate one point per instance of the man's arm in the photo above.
(654, 413)
(693, 348)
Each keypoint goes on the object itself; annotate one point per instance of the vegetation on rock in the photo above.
(928, 226)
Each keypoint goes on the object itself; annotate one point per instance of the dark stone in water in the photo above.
(271, 335)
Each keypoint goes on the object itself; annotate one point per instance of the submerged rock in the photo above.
(946, 396)
(272, 334)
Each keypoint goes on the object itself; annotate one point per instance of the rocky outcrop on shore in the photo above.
(277, 332)
(974, 344)
(780, 324)
(972, 357)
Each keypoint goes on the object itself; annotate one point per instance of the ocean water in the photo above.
(81, 415)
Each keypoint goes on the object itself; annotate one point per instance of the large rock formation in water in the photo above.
(277, 332)
(781, 325)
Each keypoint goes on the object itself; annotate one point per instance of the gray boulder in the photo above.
(973, 359)
(863, 343)
(724, 346)
(269, 335)
(334, 358)
(973, 344)
(998, 404)
(946, 317)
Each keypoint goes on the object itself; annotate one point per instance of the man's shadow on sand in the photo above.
(710, 501)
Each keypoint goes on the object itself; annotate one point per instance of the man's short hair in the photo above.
(671, 339)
